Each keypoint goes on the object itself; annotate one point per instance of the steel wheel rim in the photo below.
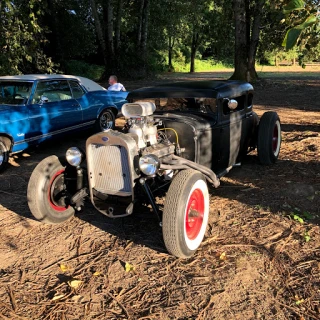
(195, 214)
(106, 121)
(56, 192)
(1, 153)
(276, 138)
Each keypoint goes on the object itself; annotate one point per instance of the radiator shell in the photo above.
(110, 159)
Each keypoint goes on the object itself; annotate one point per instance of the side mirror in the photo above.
(43, 99)
(232, 104)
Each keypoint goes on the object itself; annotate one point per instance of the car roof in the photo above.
(197, 89)
(87, 83)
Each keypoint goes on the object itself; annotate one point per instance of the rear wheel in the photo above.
(269, 138)
(105, 121)
(47, 192)
(186, 213)
(4, 152)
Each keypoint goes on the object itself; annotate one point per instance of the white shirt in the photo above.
(117, 87)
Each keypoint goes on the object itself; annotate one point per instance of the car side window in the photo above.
(77, 90)
(14, 92)
(54, 90)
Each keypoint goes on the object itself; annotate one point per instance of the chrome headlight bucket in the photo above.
(74, 156)
(149, 164)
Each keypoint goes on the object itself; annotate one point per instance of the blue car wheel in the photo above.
(106, 120)
(4, 152)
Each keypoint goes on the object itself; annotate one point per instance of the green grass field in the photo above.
(204, 67)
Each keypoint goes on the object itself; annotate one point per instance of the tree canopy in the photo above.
(136, 37)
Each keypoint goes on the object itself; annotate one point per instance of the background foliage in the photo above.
(132, 38)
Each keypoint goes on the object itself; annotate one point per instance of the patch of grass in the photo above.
(201, 65)
(287, 71)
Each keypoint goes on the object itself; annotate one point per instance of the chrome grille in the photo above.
(110, 169)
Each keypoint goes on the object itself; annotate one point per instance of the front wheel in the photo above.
(269, 138)
(47, 192)
(186, 213)
(105, 121)
(4, 152)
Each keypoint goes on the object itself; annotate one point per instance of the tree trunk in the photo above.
(55, 29)
(118, 26)
(140, 23)
(170, 51)
(247, 32)
(99, 31)
(108, 18)
(254, 41)
(194, 48)
(145, 4)
(144, 29)
(241, 50)
(109, 28)
(1, 22)
(117, 33)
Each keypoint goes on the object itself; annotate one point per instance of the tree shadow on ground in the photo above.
(287, 187)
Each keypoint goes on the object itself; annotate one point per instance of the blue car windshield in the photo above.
(14, 92)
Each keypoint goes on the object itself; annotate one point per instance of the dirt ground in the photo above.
(260, 258)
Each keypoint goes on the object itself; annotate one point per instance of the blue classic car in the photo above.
(34, 108)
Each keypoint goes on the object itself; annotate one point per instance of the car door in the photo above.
(14, 119)
(94, 102)
(53, 110)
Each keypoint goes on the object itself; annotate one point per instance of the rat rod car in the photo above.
(177, 139)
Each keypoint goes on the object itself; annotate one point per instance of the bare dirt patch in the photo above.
(260, 258)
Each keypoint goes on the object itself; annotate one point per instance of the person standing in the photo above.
(115, 85)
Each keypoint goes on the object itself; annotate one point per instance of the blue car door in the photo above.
(14, 119)
(94, 102)
(53, 110)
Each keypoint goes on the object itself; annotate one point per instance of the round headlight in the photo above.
(74, 156)
(149, 164)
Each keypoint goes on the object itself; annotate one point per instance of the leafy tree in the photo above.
(72, 33)
(168, 27)
(220, 42)
(21, 38)
(303, 18)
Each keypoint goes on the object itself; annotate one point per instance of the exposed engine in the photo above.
(152, 142)
(140, 122)
(142, 126)
(155, 149)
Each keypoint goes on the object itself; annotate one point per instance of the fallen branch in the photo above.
(120, 304)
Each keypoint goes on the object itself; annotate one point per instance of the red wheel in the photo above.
(269, 138)
(48, 196)
(186, 213)
(194, 214)
(56, 192)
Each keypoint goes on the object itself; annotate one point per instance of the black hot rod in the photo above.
(177, 139)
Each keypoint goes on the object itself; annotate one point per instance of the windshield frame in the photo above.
(187, 104)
